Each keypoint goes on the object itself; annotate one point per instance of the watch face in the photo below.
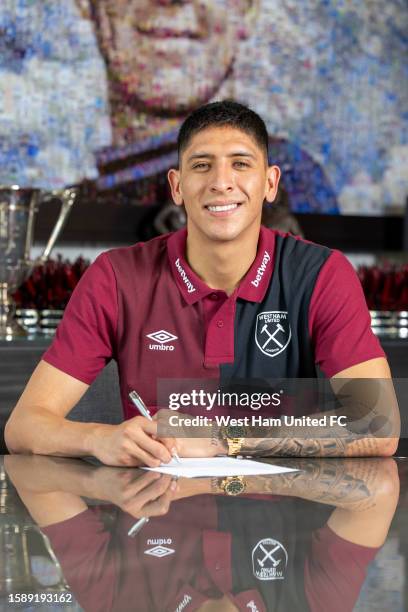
(235, 486)
(235, 431)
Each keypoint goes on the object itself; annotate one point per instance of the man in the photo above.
(170, 308)
(166, 58)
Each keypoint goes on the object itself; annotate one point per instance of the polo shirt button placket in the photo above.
(214, 296)
(220, 323)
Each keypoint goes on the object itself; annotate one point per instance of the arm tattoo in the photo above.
(347, 484)
(338, 442)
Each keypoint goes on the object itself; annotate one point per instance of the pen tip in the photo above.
(175, 455)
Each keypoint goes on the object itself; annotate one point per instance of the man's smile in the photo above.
(222, 209)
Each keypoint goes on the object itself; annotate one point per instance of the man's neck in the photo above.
(222, 265)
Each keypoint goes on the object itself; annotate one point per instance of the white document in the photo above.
(218, 466)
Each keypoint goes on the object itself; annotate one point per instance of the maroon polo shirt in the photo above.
(108, 570)
(145, 307)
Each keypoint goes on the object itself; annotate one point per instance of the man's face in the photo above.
(170, 55)
(223, 181)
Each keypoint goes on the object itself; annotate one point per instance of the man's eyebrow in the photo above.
(202, 154)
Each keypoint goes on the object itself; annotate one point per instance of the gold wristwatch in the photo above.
(235, 437)
(230, 485)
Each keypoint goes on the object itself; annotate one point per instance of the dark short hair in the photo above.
(220, 114)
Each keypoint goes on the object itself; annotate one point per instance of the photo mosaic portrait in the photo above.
(96, 89)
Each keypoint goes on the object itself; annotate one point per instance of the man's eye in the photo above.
(241, 164)
(200, 166)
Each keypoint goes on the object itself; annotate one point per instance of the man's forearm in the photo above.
(293, 445)
(309, 441)
(335, 441)
(352, 484)
(46, 433)
(365, 423)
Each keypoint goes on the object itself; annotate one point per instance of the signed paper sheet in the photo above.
(218, 466)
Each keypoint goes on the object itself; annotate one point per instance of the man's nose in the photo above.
(222, 178)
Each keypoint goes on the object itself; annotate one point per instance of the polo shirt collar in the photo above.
(256, 281)
(252, 287)
(191, 286)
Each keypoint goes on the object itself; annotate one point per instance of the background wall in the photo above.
(328, 76)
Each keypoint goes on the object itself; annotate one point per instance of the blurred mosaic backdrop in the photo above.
(88, 83)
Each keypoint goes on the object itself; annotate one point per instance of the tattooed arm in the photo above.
(363, 492)
(352, 484)
(370, 425)
(368, 402)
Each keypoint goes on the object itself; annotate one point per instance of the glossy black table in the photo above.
(331, 537)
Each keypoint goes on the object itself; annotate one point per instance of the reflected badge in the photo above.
(272, 332)
(269, 560)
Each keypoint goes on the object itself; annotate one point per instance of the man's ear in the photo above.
(273, 175)
(173, 177)
(248, 11)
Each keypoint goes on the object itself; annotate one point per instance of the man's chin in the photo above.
(176, 101)
(164, 105)
(225, 236)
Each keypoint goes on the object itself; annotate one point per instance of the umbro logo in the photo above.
(159, 551)
(162, 337)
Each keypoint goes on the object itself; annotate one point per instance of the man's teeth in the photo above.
(222, 208)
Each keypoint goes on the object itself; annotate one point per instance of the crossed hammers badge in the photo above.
(269, 559)
(273, 333)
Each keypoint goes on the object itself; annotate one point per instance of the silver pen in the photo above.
(144, 411)
(137, 526)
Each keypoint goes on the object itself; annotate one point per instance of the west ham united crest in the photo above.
(269, 560)
(272, 333)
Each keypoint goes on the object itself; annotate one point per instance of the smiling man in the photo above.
(223, 299)
(165, 58)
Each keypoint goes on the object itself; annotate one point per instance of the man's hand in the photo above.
(130, 444)
(203, 444)
(137, 492)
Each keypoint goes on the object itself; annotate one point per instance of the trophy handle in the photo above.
(61, 585)
(66, 197)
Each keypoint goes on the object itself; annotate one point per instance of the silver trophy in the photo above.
(18, 207)
(21, 542)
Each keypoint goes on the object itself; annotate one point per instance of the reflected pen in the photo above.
(137, 526)
(141, 522)
(144, 411)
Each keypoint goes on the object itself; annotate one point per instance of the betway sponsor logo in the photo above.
(183, 603)
(261, 270)
(186, 280)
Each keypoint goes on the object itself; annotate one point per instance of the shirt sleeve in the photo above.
(335, 571)
(339, 320)
(89, 564)
(85, 338)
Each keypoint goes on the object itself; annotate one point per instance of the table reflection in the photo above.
(297, 541)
